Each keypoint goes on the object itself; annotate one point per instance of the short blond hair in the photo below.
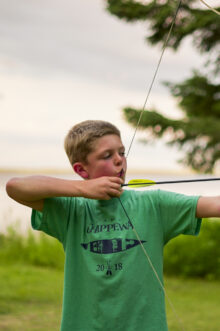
(80, 139)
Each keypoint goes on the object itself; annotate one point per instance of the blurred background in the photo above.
(62, 62)
(65, 62)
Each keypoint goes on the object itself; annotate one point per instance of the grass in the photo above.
(36, 249)
(31, 299)
(196, 302)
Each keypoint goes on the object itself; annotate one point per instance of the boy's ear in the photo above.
(79, 168)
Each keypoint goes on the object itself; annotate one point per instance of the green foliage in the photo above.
(38, 250)
(198, 132)
(201, 24)
(128, 10)
(197, 91)
(195, 257)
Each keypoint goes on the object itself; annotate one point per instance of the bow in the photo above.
(146, 182)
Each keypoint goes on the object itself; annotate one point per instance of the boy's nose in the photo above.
(118, 159)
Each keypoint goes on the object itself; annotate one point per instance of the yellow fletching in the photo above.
(140, 182)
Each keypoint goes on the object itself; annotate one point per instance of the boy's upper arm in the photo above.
(54, 218)
(208, 207)
(178, 214)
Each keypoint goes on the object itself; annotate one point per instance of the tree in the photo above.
(198, 132)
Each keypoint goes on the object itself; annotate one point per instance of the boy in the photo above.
(108, 282)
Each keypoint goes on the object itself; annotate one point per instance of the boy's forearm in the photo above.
(31, 191)
(208, 207)
(34, 188)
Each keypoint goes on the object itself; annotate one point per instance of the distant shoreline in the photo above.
(34, 171)
(130, 171)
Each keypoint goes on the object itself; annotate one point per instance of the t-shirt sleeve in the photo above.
(54, 218)
(178, 214)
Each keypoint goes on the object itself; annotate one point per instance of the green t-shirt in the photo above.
(108, 282)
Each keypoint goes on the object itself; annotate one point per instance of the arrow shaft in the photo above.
(177, 181)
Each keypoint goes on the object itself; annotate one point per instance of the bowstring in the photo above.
(180, 323)
(211, 8)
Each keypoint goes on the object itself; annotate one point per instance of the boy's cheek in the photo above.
(104, 171)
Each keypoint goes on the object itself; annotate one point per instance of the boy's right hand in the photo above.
(102, 188)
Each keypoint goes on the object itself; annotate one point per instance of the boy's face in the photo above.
(106, 159)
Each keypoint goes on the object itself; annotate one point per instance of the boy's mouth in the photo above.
(121, 173)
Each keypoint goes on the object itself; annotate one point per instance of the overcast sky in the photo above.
(62, 62)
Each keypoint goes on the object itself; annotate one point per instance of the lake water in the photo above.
(13, 214)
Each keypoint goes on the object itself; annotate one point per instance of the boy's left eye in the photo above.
(106, 156)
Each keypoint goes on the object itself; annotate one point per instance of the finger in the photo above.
(115, 193)
(116, 180)
(116, 186)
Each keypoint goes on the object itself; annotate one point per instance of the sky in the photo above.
(62, 62)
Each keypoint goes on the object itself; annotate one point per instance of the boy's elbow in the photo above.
(11, 187)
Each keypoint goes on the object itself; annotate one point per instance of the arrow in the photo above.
(148, 182)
